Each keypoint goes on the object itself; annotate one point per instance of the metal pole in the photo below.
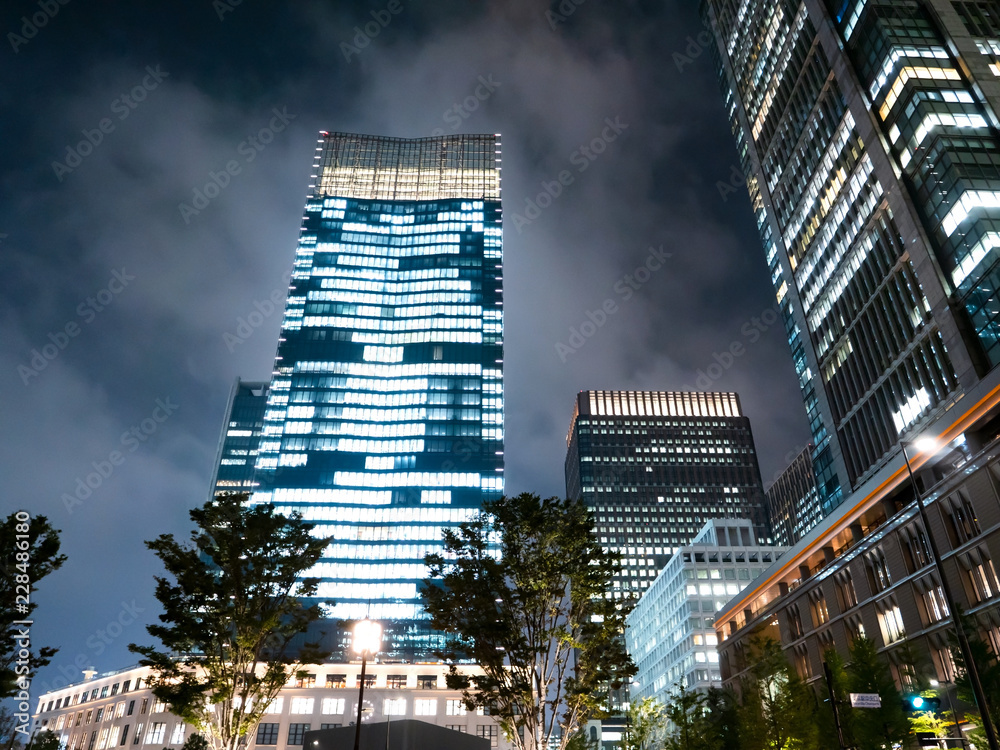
(833, 704)
(971, 669)
(954, 716)
(361, 700)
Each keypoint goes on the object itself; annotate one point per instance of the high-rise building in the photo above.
(792, 501)
(234, 463)
(670, 633)
(868, 134)
(654, 466)
(384, 419)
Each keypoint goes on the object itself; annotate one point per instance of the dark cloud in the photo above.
(593, 109)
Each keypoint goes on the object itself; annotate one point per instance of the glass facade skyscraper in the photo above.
(237, 456)
(384, 418)
(654, 466)
(867, 131)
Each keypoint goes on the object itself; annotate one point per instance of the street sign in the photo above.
(866, 700)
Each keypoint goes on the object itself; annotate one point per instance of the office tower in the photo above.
(669, 633)
(384, 420)
(867, 131)
(654, 466)
(234, 463)
(792, 501)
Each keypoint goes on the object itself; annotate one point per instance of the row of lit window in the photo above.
(313, 510)
(390, 324)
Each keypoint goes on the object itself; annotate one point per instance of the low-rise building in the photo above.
(118, 710)
(670, 633)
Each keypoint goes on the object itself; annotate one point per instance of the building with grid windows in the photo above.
(870, 570)
(670, 634)
(867, 131)
(118, 710)
(792, 501)
(654, 466)
(384, 416)
(234, 464)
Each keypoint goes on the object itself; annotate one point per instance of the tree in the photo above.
(45, 740)
(230, 616)
(195, 742)
(31, 552)
(521, 589)
(882, 727)
(723, 711)
(691, 726)
(8, 726)
(989, 676)
(646, 725)
(777, 711)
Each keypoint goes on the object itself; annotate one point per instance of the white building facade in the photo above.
(117, 710)
(670, 633)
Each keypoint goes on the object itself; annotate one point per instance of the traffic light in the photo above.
(920, 704)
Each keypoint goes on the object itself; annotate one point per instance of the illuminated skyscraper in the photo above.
(654, 466)
(234, 464)
(867, 131)
(384, 420)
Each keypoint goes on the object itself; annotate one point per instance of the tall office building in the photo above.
(867, 131)
(384, 419)
(792, 501)
(237, 455)
(654, 466)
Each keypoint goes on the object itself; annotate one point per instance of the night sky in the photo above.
(121, 309)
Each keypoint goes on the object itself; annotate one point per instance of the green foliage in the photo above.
(45, 740)
(31, 552)
(646, 725)
(520, 588)
(723, 712)
(691, 726)
(777, 709)
(195, 741)
(875, 728)
(229, 615)
(989, 676)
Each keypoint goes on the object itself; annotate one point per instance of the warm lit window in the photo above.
(425, 707)
(333, 706)
(302, 705)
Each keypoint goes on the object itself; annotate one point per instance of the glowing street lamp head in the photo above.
(925, 444)
(367, 637)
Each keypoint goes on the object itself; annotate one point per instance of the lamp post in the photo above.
(366, 640)
(971, 669)
(951, 706)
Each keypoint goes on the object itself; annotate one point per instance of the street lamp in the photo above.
(927, 445)
(366, 640)
(951, 706)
